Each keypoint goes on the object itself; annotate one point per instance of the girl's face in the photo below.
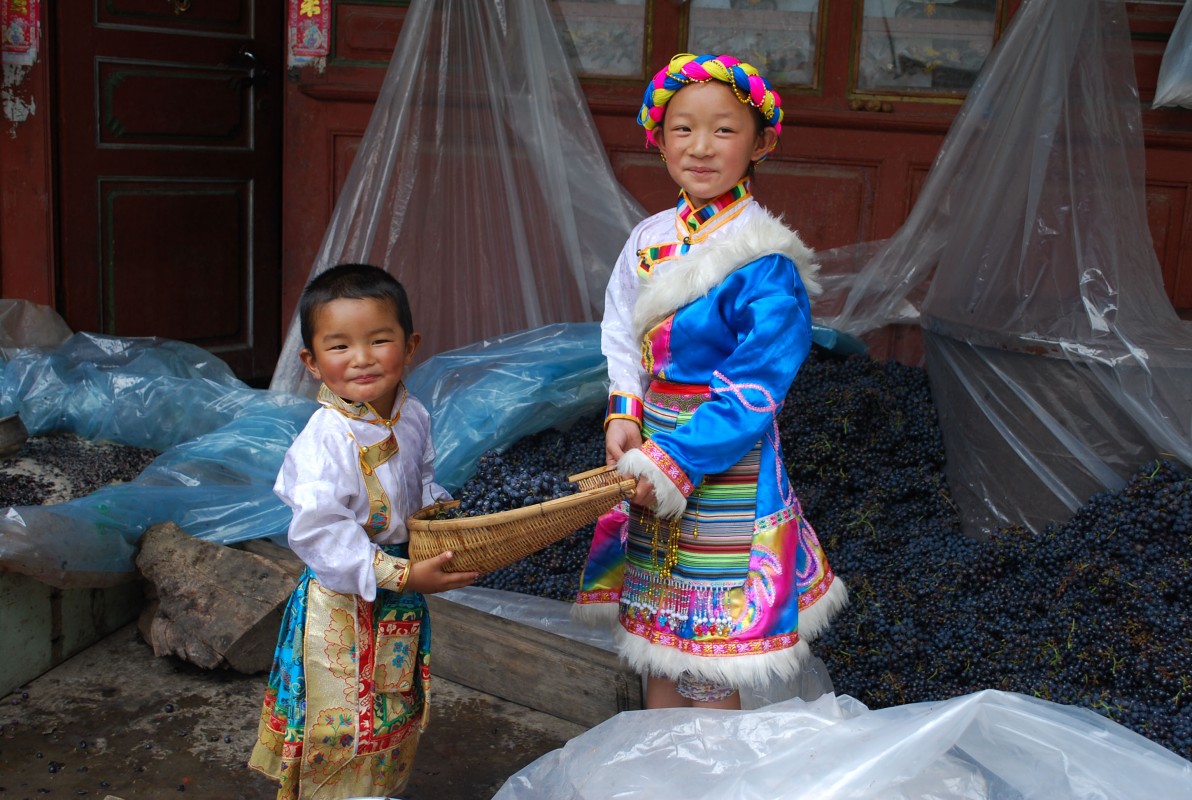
(709, 138)
(360, 351)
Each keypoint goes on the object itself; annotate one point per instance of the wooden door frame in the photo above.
(28, 214)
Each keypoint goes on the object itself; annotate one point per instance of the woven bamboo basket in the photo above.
(490, 541)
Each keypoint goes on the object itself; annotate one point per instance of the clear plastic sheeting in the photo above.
(1057, 363)
(488, 395)
(26, 324)
(980, 746)
(222, 444)
(1174, 87)
(480, 181)
(141, 392)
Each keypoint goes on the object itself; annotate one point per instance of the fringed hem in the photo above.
(755, 669)
(815, 619)
(670, 502)
(596, 615)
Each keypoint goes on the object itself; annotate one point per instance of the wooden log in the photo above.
(282, 556)
(538, 669)
(209, 604)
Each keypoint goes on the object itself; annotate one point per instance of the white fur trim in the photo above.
(815, 620)
(669, 502)
(709, 264)
(596, 615)
(756, 669)
(751, 670)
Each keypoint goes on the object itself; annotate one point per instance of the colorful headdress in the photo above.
(749, 87)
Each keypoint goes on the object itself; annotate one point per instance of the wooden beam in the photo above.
(538, 669)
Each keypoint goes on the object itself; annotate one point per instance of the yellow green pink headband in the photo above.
(749, 87)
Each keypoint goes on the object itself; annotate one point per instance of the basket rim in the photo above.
(579, 476)
(420, 519)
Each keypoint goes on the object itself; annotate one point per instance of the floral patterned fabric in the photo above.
(347, 696)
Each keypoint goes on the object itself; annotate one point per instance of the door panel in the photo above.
(225, 16)
(146, 224)
(143, 104)
(169, 171)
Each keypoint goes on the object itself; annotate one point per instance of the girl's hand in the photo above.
(428, 576)
(644, 496)
(621, 435)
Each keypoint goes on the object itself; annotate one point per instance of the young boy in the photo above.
(347, 696)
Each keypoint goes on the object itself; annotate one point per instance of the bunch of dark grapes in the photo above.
(1092, 612)
(863, 448)
(58, 467)
(534, 470)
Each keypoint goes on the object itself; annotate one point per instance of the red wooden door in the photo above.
(168, 120)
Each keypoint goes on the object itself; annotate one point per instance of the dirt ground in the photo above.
(116, 722)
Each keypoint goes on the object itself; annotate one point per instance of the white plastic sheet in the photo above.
(1174, 87)
(984, 746)
(1057, 363)
(25, 324)
(480, 182)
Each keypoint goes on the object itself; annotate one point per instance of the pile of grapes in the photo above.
(58, 467)
(535, 470)
(1094, 612)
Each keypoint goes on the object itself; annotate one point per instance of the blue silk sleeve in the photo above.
(758, 321)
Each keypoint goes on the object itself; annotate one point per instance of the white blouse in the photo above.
(619, 342)
(320, 480)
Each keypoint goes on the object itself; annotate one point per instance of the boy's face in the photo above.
(360, 351)
(709, 138)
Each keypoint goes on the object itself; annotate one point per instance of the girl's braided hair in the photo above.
(745, 81)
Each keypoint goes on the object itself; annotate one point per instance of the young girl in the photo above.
(717, 580)
(347, 697)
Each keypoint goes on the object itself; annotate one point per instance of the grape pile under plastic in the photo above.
(535, 470)
(1093, 612)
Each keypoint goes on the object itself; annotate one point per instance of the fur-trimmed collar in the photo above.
(692, 276)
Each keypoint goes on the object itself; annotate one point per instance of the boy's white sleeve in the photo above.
(320, 481)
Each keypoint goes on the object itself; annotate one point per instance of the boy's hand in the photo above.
(428, 576)
(621, 435)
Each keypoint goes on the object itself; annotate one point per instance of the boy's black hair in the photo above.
(352, 282)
